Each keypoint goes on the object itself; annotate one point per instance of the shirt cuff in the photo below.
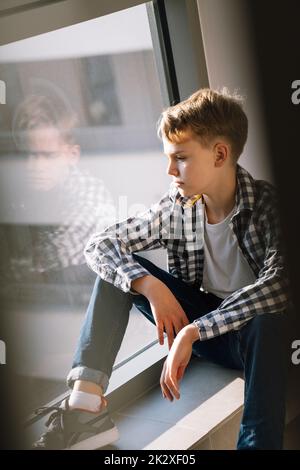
(205, 327)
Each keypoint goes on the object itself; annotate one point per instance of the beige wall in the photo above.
(230, 62)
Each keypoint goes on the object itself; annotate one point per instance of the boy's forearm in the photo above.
(145, 285)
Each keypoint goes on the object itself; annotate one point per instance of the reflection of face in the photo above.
(191, 165)
(49, 158)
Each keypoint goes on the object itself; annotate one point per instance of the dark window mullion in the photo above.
(165, 59)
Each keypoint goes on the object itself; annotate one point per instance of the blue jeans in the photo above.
(260, 348)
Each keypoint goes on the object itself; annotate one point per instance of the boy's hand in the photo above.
(177, 360)
(168, 314)
(167, 311)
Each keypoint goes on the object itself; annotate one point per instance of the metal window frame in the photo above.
(180, 57)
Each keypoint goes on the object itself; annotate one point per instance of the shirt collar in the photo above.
(245, 195)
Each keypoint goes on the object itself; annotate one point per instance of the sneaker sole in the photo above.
(94, 442)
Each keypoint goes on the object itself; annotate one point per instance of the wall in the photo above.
(231, 63)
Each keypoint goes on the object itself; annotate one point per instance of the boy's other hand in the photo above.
(177, 361)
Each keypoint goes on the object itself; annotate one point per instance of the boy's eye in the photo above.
(179, 158)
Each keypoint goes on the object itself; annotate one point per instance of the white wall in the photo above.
(230, 63)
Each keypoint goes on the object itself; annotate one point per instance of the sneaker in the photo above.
(76, 429)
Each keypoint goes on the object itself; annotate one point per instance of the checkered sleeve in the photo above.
(109, 253)
(269, 293)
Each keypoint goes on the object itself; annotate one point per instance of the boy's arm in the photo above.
(109, 253)
(269, 293)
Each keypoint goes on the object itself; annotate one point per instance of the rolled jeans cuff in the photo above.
(90, 375)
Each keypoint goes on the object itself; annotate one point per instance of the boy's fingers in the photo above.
(177, 326)
(103, 403)
(170, 334)
(165, 391)
(160, 333)
(173, 387)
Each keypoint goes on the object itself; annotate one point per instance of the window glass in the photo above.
(78, 149)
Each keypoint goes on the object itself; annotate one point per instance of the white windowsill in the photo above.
(206, 416)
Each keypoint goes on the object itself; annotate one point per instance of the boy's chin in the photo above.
(185, 193)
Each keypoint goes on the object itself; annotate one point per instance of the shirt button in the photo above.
(210, 324)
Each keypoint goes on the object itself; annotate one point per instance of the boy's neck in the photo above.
(220, 201)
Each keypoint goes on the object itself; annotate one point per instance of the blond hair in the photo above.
(207, 114)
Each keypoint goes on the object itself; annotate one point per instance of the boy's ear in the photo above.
(221, 153)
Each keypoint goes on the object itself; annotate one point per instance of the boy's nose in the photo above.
(36, 162)
(172, 170)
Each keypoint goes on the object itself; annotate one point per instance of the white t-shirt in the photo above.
(225, 267)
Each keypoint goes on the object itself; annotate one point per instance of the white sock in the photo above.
(84, 401)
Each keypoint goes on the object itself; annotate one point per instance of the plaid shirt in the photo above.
(177, 224)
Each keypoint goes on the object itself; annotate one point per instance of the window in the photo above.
(78, 147)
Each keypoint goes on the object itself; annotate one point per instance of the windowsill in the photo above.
(206, 416)
(211, 397)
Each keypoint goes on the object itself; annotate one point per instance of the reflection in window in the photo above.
(77, 142)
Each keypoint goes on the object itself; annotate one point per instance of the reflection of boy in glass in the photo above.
(47, 136)
(45, 131)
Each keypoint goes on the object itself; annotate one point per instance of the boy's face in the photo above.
(49, 158)
(192, 166)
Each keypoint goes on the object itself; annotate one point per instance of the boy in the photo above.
(225, 296)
